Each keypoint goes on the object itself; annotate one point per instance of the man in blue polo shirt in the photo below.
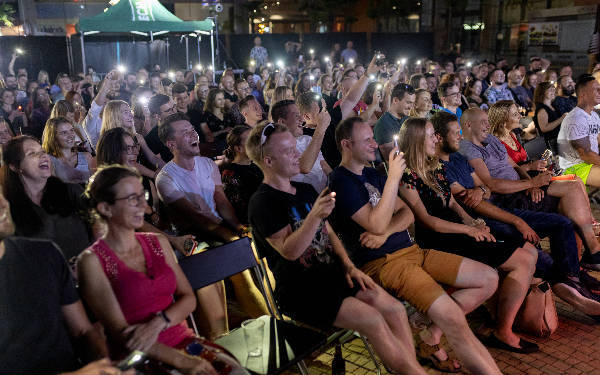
(450, 98)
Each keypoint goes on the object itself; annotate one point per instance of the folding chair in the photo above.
(216, 264)
(335, 335)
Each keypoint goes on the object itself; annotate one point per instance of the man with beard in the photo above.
(565, 101)
(190, 185)
(43, 324)
(562, 268)
(498, 89)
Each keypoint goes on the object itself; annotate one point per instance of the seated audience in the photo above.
(565, 99)
(309, 262)
(562, 269)
(442, 224)
(498, 90)
(240, 176)
(42, 206)
(547, 119)
(251, 109)
(117, 113)
(68, 164)
(390, 123)
(512, 187)
(44, 327)
(423, 104)
(313, 167)
(519, 93)
(214, 129)
(131, 281)
(372, 222)
(160, 107)
(451, 98)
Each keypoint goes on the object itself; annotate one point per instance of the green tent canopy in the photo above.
(142, 16)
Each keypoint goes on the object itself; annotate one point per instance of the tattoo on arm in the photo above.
(582, 144)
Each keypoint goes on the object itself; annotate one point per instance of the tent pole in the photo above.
(198, 44)
(212, 52)
(82, 53)
(187, 53)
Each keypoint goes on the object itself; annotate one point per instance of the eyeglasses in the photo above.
(452, 94)
(132, 149)
(135, 200)
(266, 133)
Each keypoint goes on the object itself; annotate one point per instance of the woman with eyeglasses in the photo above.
(132, 283)
(69, 164)
(116, 146)
(117, 113)
(42, 206)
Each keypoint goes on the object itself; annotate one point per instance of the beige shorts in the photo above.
(412, 274)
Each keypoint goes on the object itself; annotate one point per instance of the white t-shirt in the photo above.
(316, 177)
(577, 124)
(197, 185)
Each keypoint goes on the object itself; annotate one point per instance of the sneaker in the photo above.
(590, 261)
(590, 282)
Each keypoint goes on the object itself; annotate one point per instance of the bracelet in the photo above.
(164, 316)
(482, 188)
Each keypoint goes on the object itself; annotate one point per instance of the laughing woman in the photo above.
(59, 141)
(42, 206)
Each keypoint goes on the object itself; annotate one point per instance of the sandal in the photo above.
(425, 353)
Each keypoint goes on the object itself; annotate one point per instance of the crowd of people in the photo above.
(362, 184)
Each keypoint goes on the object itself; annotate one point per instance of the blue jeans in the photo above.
(563, 260)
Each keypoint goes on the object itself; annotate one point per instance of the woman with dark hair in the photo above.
(212, 124)
(442, 224)
(547, 120)
(373, 98)
(530, 81)
(241, 177)
(79, 110)
(12, 113)
(69, 164)
(473, 92)
(40, 113)
(42, 206)
(418, 81)
(116, 146)
(6, 133)
(303, 85)
(132, 283)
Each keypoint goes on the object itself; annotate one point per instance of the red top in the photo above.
(142, 295)
(518, 156)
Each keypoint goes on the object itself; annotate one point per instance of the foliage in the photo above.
(6, 14)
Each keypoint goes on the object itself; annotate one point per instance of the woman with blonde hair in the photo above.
(442, 224)
(423, 104)
(64, 108)
(117, 113)
(58, 141)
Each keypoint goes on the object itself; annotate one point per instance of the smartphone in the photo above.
(134, 358)
(300, 58)
(20, 108)
(396, 144)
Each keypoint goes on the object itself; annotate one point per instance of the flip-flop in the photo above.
(425, 353)
(526, 347)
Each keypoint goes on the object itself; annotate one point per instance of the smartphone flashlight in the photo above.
(396, 144)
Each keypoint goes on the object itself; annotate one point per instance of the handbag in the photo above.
(537, 315)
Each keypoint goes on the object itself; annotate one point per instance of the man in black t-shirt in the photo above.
(160, 106)
(316, 282)
(40, 311)
(372, 222)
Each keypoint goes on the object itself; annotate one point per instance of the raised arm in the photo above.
(356, 91)
(376, 220)
(309, 156)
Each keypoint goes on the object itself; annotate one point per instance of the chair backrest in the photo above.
(218, 263)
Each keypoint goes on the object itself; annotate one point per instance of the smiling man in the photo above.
(190, 185)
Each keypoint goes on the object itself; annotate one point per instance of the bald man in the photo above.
(513, 188)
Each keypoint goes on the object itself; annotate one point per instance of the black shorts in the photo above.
(522, 201)
(316, 300)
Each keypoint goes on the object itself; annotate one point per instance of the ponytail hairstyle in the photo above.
(234, 139)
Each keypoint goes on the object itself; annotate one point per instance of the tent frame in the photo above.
(212, 46)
